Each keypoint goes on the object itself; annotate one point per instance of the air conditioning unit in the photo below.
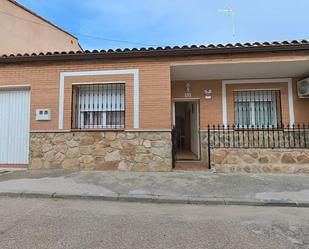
(303, 88)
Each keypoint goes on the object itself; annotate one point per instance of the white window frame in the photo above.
(252, 106)
(134, 72)
(288, 81)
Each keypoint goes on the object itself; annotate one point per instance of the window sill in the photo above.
(98, 130)
(256, 128)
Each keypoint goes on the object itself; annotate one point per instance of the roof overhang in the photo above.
(241, 70)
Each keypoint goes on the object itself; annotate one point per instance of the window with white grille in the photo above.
(99, 106)
(257, 108)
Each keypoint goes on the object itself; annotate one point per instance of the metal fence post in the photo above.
(209, 148)
(174, 147)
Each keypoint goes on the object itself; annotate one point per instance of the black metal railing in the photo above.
(98, 106)
(174, 146)
(259, 137)
(290, 137)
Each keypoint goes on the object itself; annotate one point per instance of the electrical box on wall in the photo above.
(43, 114)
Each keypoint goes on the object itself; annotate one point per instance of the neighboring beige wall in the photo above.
(29, 33)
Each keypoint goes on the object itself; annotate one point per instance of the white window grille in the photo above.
(99, 106)
(257, 108)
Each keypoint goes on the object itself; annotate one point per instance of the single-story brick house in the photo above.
(116, 109)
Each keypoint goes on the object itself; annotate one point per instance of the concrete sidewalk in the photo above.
(198, 187)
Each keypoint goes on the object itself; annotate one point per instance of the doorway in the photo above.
(14, 127)
(186, 122)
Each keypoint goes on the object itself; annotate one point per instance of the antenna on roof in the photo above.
(230, 11)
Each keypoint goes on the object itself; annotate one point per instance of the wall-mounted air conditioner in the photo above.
(303, 88)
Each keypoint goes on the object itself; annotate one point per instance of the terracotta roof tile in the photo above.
(163, 51)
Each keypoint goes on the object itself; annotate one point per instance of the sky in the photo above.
(103, 24)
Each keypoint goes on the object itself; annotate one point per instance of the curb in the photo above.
(161, 199)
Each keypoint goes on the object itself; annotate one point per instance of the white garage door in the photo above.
(14, 126)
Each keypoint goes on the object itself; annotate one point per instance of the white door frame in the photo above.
(197, 102)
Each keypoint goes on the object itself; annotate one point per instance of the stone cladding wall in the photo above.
(127, 151)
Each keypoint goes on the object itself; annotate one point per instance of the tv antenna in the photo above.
(231, 12)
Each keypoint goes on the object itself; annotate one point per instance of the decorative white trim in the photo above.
(291, 101)
(18, 87)
(174, 113)
(101, 130)
(134, 72)
(50, 131)
(185, 99)
(258, 81)
(253, 89)
(224, 104)
(99, 82)
(149, 130)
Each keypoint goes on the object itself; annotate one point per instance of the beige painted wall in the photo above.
(23, 32)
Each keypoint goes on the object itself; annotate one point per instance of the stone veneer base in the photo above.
(242, 160)
(127, 151)
(261, 160)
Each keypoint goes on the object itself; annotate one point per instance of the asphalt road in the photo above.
(81, 224)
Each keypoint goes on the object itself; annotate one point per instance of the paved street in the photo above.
(181, 186)
(79, 224)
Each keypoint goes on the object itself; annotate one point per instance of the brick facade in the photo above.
(156, 94)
